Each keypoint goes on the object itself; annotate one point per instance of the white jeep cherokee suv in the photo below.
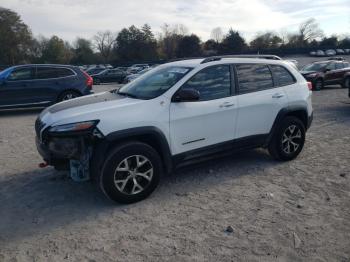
(178, 112)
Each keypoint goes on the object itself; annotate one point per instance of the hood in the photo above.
(86, 108)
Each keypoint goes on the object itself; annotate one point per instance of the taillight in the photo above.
(309, 85)
(89, 80)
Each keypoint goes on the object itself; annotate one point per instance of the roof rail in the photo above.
(217, 58)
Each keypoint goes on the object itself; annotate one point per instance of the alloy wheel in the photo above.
(133, 174)
(291, 139)
(69, 96)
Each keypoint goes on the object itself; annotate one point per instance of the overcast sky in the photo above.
(71, 18)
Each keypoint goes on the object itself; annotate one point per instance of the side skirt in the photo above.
(198, 155)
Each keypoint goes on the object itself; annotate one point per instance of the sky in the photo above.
(69, 19)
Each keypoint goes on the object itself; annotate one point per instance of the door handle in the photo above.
(226, 104)
(277, 95)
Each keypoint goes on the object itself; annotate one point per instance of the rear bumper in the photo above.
(309, 120)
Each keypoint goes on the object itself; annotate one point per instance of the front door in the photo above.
(209, 121)
(17, 88)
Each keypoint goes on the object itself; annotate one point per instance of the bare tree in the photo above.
(104, 43)
(217, 34)
(310, 30)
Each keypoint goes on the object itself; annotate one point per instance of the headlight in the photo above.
(74, 127)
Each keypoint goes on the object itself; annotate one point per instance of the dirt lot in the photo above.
(295, 211)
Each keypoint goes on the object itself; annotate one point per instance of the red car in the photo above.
(328, 72)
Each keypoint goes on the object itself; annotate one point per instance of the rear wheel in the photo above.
(288, 140)
(67, 95)
(131, 172)
(318, 85)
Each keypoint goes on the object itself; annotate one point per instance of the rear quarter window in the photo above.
(52, 72)
(282, 76)
(253, 77)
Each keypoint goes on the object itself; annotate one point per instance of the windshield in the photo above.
(5, 72)
(315, 67)
(155, 82)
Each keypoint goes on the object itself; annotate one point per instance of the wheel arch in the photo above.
(68, 90)
(298, 112)
(149, 135)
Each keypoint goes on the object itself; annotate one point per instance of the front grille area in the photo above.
(38, 126)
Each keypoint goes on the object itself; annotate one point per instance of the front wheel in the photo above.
(288, 140)
(131, 172)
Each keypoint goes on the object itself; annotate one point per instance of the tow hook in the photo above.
(43, 165)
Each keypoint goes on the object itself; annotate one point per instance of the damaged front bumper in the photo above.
(68, 152)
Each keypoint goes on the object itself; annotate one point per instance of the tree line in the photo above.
(133, 44)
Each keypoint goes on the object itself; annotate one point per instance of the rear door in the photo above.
(330, 75)
(17, 89)
(52, 81)
(259, 100)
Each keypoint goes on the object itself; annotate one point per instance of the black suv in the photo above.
(41, 85)
(327, 72)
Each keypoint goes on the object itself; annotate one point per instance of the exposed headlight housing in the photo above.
(78, 127)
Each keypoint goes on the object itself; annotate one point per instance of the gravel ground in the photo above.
(244, 207)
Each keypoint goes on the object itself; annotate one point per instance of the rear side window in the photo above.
(52, 72)
(339, 66)
(21, 74)
(331, 66)
(253, 77)
(212, 83)
(63, 72)
(346, 64)
(282, 76)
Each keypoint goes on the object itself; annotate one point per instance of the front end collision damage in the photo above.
(69, 151)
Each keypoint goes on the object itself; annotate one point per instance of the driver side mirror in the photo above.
(326, 70)
(186, 95)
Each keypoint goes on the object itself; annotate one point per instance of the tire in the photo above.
(318, 84)
(346, 83)
(120, 171)
(97, 81)
(67, 95)
(278, 146)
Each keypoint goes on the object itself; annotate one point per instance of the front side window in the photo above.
(21, 74)
(253, 77)
(155, 82)
(346, 64)
(212, 83)
(282, 76)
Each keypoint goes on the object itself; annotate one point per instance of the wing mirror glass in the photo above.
(186, 95)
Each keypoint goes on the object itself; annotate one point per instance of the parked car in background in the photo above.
(109, 76)
(41, 85)
(340, 51)
(320, 53)
(327, 72)
(132, 77)
(312, 53)
(330, 52)
(347, 51)
(95, 70)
